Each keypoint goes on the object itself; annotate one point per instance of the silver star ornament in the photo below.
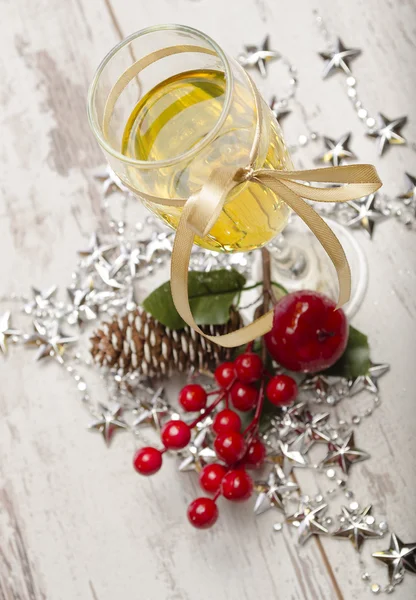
(6, 331)
(344, 454)
(279, 109)
(336, 151)
(42, 300)
(367, 214)
(129, 256)
(197, 454)
(356, 527)
(154, 411)
(369, 382)
(307, 523)
(314, 429)
(109, 423)
(388, 133)
(258, 57)
(50, 340)
(271, 493)
(338, 58)
(399, 557)
(81, 311)
(409, 197)
(287, 458)
(96, 251)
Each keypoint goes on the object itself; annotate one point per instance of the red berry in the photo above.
(243, 396)
(282, 390)
(308, 334)
(255, 455)
(202, 513)
(225, 374)
(226, 420)
(249, 367)
(230, 447)
(147, 460)
(210, 477)
(175, 435)
(237, 485)
(193, 397)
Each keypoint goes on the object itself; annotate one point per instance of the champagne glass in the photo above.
(182, 116)
(166, 127)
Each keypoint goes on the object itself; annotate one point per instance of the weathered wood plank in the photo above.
(75, 522)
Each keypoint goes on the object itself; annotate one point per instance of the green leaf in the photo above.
(211, 296)
(356, 358)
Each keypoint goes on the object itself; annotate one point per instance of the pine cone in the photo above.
(137, 342)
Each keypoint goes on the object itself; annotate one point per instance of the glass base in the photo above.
(298, 261)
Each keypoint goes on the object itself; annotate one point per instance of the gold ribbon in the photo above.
(201, 210)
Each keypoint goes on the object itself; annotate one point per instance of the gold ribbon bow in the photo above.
(201, 210)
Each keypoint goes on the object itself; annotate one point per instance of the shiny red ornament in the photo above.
(147, 460)
(308, 333)
(193, 397)
(226, 420)
(230, 447)
(175, 435)
(237, 485)
(248, 367)
(282, 390)
(211, 476)
(255, 455)
(202, 513)
(225, 374)
(243, 396)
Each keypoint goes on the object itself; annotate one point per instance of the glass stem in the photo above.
(290, 260)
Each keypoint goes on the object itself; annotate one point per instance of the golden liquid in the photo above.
(176, 115)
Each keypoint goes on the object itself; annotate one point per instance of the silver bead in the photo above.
(356, 419)
(352, 92)
(351, 81)
(349, 494)
(354, 506)
(371, 122)
(330, 473)
(375, 588)
(82, 386)
(277, 527)
(383, 526)
(303, 140)
(365, 576)
(362, 113)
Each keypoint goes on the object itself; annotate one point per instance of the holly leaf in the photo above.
(211, 295)
(356, 358)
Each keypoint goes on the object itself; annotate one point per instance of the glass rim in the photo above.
(146, 164)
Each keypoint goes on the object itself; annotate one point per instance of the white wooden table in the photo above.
(75, 521)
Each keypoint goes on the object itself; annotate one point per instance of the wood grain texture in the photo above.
(75, 521)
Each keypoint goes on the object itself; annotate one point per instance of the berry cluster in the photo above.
(242, 387)
(308, 335)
